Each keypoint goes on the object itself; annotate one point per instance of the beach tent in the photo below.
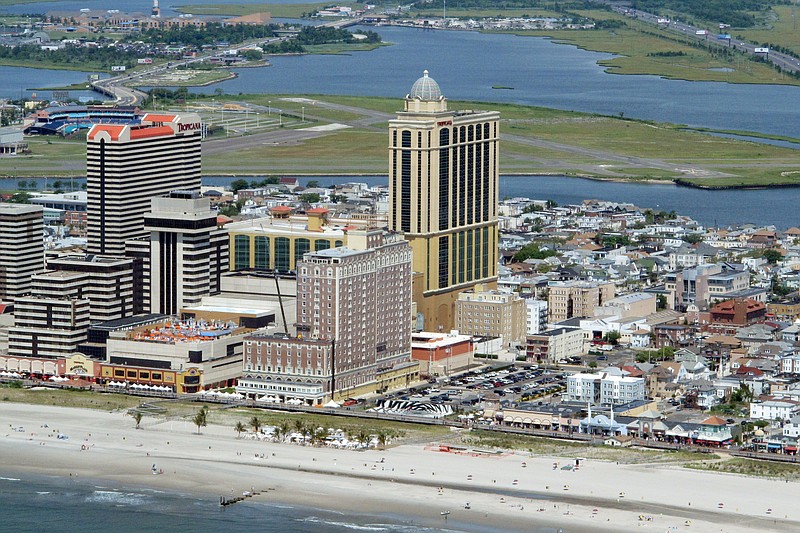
(332, 404)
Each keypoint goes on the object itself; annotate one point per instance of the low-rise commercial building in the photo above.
(554, 345)
(440, 354)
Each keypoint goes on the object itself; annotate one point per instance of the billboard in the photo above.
(724, 36)
(701, 32)
(118, 68)
(761, 50)
(145, 61)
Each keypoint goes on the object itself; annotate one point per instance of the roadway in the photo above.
(784, 61)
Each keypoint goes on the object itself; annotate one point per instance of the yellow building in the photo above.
(277, 242)
(443, 183)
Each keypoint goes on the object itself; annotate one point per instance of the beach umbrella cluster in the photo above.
(154, 388)
(58, 379)
(269, 399)
(218, 395)
(5, 374)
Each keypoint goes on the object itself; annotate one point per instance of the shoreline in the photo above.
(515, 489)
(677, 182)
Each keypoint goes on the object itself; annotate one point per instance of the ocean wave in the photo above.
(116, 498)
(347, 525)
(42, 493)
(9, 479)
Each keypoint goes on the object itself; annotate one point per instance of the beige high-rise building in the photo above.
(492, 314)
(443, 183)
(570, 299)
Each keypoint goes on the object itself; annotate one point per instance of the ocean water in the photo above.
(71, 505)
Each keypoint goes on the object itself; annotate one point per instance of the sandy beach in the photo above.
(511, 491)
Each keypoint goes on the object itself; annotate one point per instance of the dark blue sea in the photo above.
(36, 503)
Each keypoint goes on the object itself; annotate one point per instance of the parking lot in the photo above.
(513, 384)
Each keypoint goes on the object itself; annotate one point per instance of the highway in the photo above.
(785, 62)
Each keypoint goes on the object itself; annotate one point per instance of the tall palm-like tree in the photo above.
(137, 417)
(383, 439)
(201, 418)
(239, 428)
(255, 423)
(282, 430)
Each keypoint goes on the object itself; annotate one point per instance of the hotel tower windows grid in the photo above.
(448, 192)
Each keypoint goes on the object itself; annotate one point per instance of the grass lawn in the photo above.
(342, 48)
(582, 144)
(185, 78)
(777, 27)
(292, 11)
(637, 39)
(562, 448)
(346, 152)
(750, 467)
(402, 430)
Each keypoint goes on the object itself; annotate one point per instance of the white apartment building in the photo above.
(536, 316)
(605, 389)
(777, 409)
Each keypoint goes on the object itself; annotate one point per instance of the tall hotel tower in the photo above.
(128, 165)
(443, 180)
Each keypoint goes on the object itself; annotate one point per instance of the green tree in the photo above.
(309, 197)
(200, 419)
(772, 256)
(252, 55)
(137, 417)
(237, 185)
(532, 251)
(313, 184)
(20, 198)
(612, 337)
(661, 302)
(239, 428)
(282, 429)
(693, 238)
(255, 423)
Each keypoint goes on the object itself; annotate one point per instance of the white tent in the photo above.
(332, 404)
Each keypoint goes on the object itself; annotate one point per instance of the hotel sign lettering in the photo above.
(191, 126)
(445, 123)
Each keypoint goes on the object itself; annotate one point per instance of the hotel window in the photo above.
(301, 246)
(282, 257)
(262, 253)
(321, 244)
(241, 245)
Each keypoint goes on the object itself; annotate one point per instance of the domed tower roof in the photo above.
(425, 89)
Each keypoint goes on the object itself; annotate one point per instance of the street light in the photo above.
(269, 108)
(302, 114)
